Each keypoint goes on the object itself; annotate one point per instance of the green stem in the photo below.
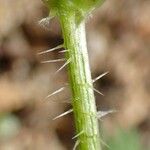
(83, 99)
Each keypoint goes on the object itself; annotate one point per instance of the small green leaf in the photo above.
(125, 140)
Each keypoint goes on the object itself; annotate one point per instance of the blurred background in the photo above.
(118, 36)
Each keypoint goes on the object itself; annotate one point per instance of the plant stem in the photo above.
(83, 100)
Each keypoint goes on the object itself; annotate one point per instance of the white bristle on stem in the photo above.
(97, 91)
(77, 135)
(101, 114)
(64, 65)
(53, 61)
(50, 50)
(64, 114)
(56, 92)
(76, 145)
(100, 76)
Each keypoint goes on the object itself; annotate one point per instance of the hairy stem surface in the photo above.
(83, 99)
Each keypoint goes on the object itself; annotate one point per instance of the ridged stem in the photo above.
(83, 100)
